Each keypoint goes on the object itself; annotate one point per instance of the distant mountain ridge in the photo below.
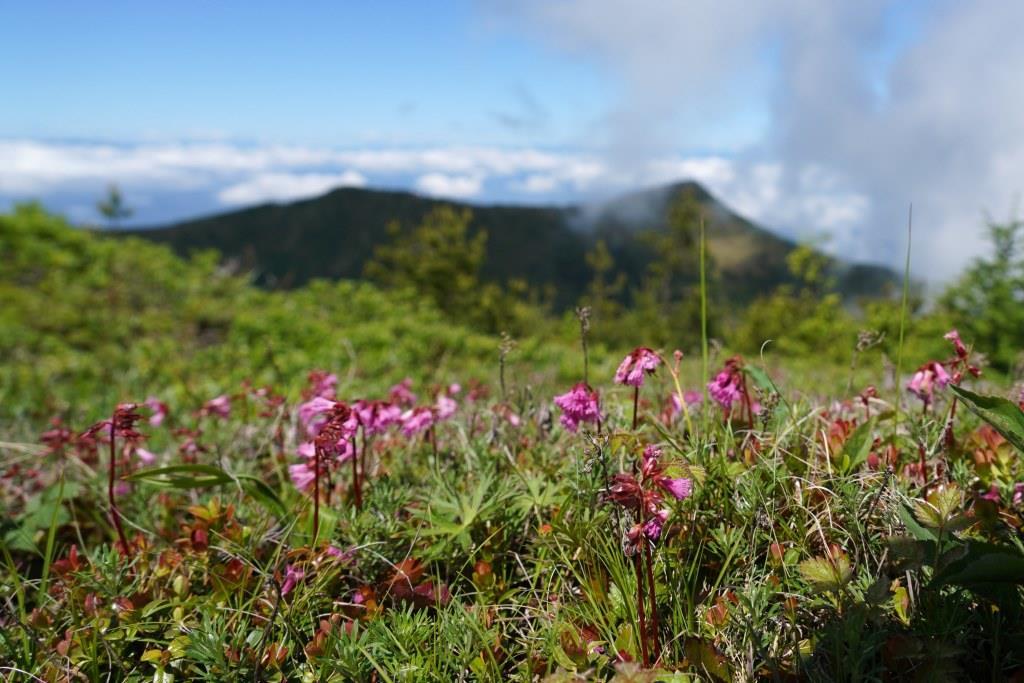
(333, 236)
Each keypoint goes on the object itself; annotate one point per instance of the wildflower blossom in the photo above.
(653, 526)
(401, 394)
(1018, 493)
(958, 345)
(312, 414)
(219, 407)
(632, 368)
(335, 434)
(644, 496)
(992, 495)
(302, 474)
(144, 456)
(727, 386)
(445, 407)
(159, 409)
(417, 420)
(293, 575)
(673, 406)
(929, 377)
(321, 383)
(376, 417)
(579, 404)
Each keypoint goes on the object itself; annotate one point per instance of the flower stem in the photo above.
(357, 491)
(115, 512)
(636, 403)
(950, 442)
(640, 610)
(316, 493)
(652, 602)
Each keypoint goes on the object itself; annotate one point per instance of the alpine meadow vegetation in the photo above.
(367, 481)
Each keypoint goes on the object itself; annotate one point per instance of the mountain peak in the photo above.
(333, 236)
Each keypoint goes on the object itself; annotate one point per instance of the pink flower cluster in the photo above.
(579, 404)
(727, 386)
(644, 497)
(633, 367)
(928, 379)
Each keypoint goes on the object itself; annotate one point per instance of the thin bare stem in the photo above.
(115, 512)
(636, 404)
(641, 614)
(316, 493)
(652, 602)
(357, 491)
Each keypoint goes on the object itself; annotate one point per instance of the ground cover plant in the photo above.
(386, 496)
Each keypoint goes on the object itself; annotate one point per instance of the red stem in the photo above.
(115, 513)
(640, 611)
(356, 489)
(746, 404)
(949, 425)
(316, 494)
(636, 402)
(655, 647)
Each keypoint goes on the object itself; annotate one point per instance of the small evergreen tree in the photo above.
(987, 302)
(113, 207)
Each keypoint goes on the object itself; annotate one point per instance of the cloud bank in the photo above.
(870, 106)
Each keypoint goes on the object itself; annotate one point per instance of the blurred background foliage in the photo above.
(87, 317)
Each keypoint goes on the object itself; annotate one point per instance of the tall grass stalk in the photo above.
(703, 305)
(903, 319)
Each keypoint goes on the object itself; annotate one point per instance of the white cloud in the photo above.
(538, 184)
(455, 187)
(282, 187)
(861, 119)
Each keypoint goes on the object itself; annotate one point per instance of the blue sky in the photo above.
(332, 73)
(812, 117)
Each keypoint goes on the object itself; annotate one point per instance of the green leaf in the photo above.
(913, 528)
(826, 575)
(259, 491)
(183, 476)
(983, 564)
(768, 386)
(858, 446)
(1004, 415)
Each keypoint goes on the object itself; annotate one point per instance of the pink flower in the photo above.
(302, 474)
(579, 404)
(401, 394)
(322, 384)
(678, 488)
(377, 416)
(653, 526)
(145, 457)
(446, 407)
(1018, 493)
(632, 368)
(159, 409)
(958, 345)
(292, 577)
(992, 494)
(334, 431)
(674, 406)
(339, 554)
(725, 388)
(220, 406)
(312, 414)
(417, 420)
(929, 377)
(306, 449)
